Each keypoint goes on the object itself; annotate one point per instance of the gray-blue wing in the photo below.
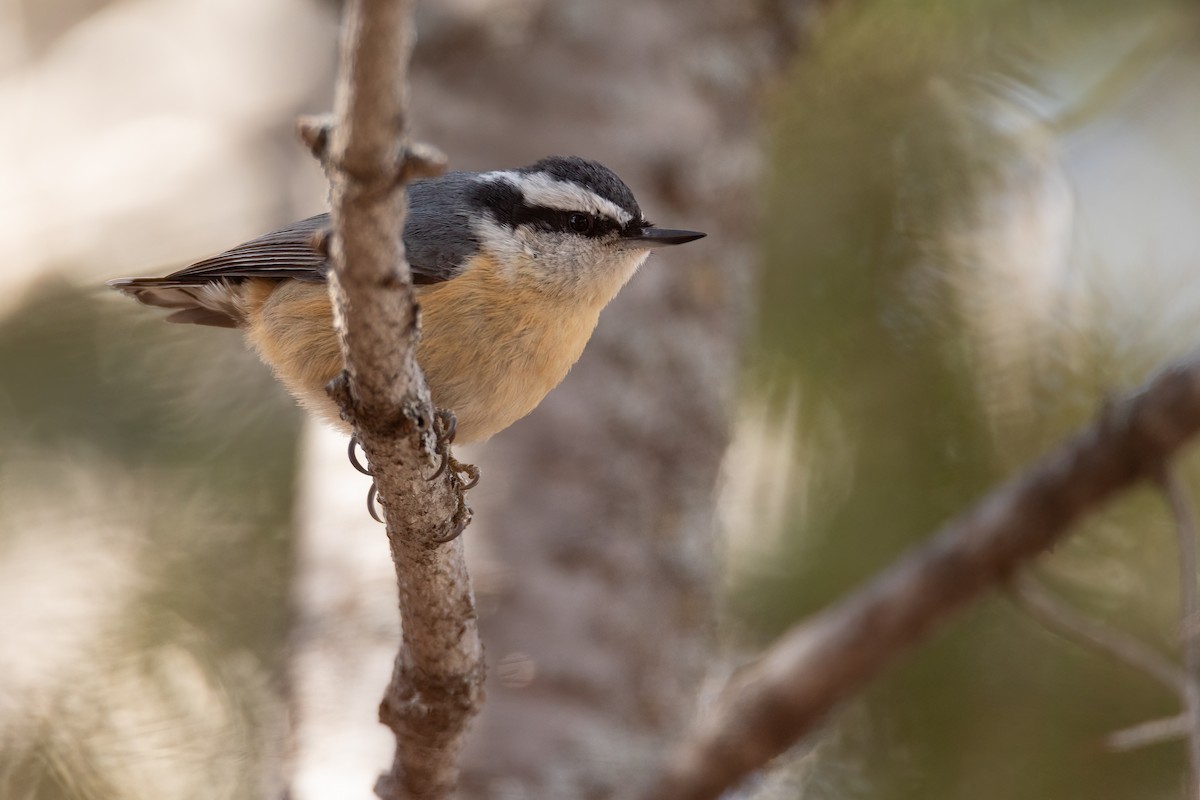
(438, 239)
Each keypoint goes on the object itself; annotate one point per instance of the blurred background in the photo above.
(943, 232)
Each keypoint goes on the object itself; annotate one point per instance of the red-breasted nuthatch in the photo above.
(511, 268)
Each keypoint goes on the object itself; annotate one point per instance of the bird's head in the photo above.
(567, 226)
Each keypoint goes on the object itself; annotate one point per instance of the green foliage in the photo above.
(913, 294)
(151, 467)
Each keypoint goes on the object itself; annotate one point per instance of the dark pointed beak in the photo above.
(660, 237)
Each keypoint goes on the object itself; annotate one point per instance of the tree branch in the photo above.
(436, 685)
(770, 704)
(1040, 604)
(1148, 733)
(1189, 607)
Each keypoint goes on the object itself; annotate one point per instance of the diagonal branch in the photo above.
(1043, 606)
(437, 681)
(785, 694)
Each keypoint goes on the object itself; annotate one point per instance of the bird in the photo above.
(511, 269)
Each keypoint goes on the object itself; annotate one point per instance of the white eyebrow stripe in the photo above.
(543, 189)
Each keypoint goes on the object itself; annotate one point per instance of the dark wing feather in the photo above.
(438, 239)
(285, 253)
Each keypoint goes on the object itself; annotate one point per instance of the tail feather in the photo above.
(215, 304)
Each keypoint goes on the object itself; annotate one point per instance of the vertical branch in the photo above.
(1189, 602)
(436, 685)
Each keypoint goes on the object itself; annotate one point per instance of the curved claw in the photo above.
(446, 426)
(449, 425)
(458, 523)
(353, 456)
(445, 453)
(473, 472)
(371, 508)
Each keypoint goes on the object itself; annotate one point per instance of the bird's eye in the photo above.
(580, 223)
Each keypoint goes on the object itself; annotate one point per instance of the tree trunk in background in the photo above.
(597, 592)
(592, 549)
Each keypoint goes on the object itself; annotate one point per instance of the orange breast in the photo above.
(290, 325)
(490, 351)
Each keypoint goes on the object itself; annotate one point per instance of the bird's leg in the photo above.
(463, 476)
(445, 425)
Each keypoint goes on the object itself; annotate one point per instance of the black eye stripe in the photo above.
(553, 219)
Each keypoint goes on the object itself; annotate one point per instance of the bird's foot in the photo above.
(352, 453)
(445, 425)
(463, 477)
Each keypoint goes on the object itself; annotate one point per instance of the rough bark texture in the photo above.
(770, 704)
(592, 551)
(437, 679)
(597, 568)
